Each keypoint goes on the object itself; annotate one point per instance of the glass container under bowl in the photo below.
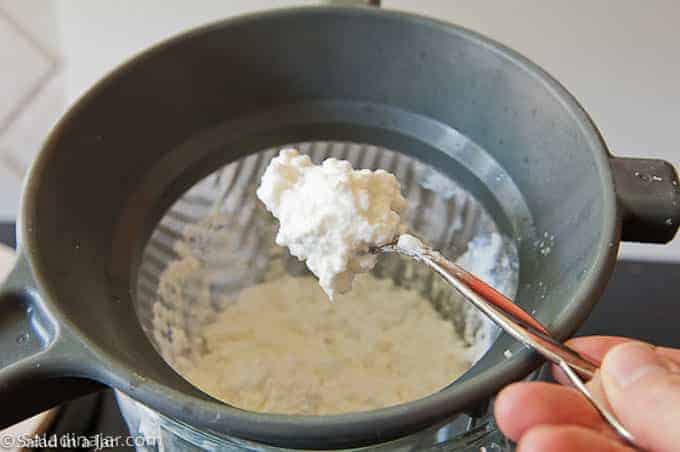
(155, 432)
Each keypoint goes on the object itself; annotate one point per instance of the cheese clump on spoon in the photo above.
(330, 215)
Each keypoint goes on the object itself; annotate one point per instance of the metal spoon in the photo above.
(511, 318)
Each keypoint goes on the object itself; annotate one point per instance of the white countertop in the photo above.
(620, 58)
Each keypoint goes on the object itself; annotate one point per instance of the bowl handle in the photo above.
(648, 195)
(41, 363)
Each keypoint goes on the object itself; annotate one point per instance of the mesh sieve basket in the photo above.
(218, 239)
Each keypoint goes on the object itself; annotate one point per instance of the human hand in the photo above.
(639, 382)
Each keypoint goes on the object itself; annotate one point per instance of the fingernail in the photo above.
(630, 362)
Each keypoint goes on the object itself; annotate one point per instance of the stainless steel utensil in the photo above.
(513, 320)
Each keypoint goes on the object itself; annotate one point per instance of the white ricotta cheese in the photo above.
(330, 215)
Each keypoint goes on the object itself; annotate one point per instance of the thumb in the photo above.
(643, 389)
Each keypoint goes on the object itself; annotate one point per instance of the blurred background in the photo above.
(620, 58)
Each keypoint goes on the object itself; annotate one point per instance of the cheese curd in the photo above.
(330, 215)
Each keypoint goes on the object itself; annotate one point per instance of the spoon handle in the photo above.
(518, 323)
(510, 317)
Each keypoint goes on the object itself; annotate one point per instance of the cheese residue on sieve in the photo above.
(280, 348)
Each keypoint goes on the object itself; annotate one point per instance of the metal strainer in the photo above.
(218, 239)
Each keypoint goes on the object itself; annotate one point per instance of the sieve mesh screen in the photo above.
(218, 239)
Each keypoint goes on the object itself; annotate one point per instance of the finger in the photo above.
(672, 354)
(643, 388)
(596, 347)
(597, 391)
(593, 347)
(521, 406)
(567, 438)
